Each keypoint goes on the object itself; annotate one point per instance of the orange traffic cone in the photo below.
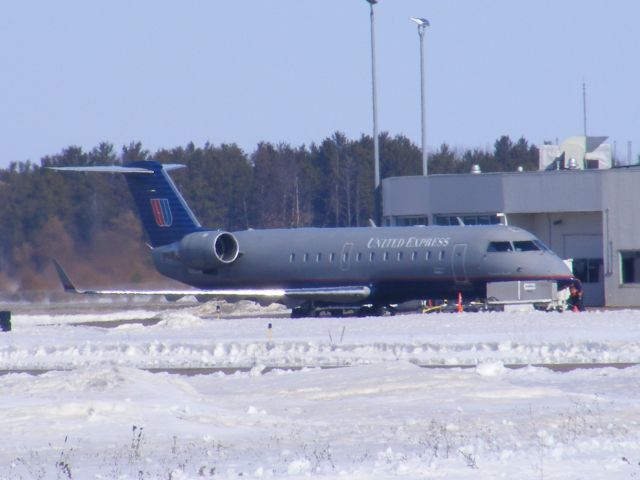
(459, 301)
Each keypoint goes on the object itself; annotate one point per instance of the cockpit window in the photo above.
(541, 245)
(525, 246)
(499, 247)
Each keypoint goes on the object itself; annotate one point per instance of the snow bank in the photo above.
(192, 338)
(375, 421)
(384, 417)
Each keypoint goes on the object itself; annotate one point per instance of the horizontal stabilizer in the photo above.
(164, 214)
(115, 168)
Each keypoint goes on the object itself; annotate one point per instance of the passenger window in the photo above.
(372, 256)
(292, 257)
(358, 256)
(499, 247)
(332, 257)
(441, 255)
(414, 255)
(427, 256)
(385, 257)
(318, 257)
(399, 256)
(305, 257)
(525, 246)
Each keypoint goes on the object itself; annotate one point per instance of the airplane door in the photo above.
(345, 257)
(458, 259)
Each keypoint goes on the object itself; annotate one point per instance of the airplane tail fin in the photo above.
(165, 215)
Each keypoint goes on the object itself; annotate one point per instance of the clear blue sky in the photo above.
(166, 72)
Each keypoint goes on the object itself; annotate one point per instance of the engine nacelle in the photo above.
(208, 250)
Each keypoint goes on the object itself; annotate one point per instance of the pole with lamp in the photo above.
(374, 95)
(376, 147)
(423, 23)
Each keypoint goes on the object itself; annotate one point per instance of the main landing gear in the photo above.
(308, 309)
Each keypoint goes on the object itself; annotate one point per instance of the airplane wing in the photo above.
(330, 294)
(326, 294)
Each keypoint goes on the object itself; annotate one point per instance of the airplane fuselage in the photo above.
(396, 263)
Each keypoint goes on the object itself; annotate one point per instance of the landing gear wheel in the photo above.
(303, 311)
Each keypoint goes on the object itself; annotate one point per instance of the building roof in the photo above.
(508, 192)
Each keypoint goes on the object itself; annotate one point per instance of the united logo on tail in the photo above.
(161, 212)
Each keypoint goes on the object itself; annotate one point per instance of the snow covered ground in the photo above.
(99, 414)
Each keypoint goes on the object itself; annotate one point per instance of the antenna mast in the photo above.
(584, 106)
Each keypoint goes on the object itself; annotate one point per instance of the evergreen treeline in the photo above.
(87, 220)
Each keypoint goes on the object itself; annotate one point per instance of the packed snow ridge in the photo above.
(196, 338)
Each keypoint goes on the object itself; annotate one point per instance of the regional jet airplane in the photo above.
(313, 269)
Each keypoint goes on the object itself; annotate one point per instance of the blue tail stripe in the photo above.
(166, 213)
(173, 219)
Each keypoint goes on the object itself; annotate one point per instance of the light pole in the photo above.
(376, 148)
(422, 24)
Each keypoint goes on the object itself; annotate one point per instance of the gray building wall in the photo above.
(621, 232)
(583, 214)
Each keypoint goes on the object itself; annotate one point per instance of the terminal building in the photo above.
(578, 203)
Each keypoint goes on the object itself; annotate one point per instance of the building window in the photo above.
(630, 266)
(445, 220)
(591, 164)
(411, 221)
(587, 270)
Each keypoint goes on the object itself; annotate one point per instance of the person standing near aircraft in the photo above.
(575, 302)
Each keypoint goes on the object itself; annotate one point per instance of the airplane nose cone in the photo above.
(545, 266)
(563, 274)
